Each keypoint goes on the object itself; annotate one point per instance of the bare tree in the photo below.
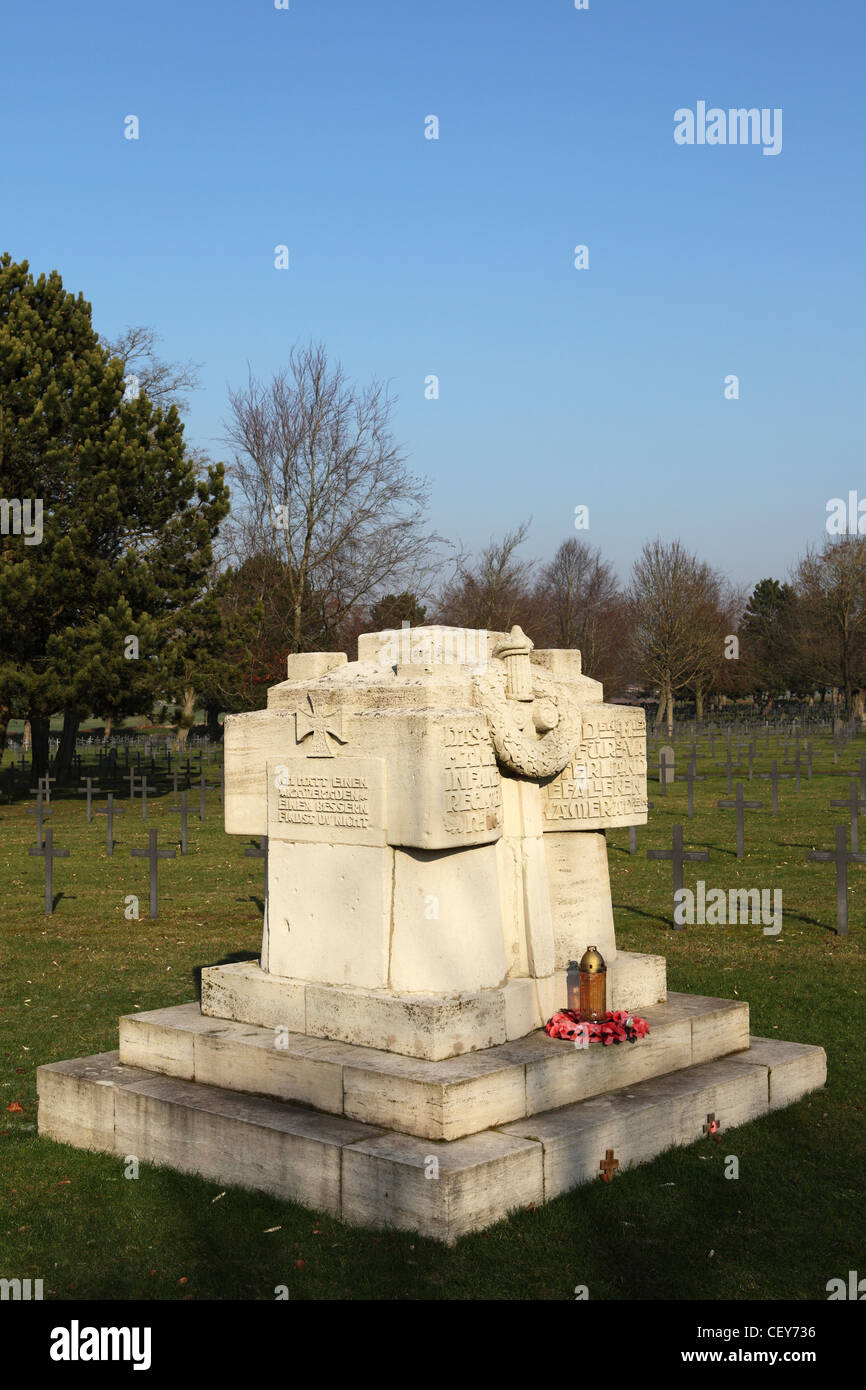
(577, 594)
(166, 383)
(676, 635)
(831, 585)
(323, 486)
(494, 591)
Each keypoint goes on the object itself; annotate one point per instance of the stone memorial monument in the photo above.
(435, 815)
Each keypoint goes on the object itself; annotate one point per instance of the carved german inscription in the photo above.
(339, 802)
(606, 783)
(472, 796)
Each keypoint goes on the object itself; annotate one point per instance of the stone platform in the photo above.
(433, 1100)
(478, 1136)
(431, 1027)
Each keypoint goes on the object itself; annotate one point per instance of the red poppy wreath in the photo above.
(613, 1028)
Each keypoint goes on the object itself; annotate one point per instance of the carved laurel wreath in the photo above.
(516, 739)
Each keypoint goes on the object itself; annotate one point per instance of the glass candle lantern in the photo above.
(592, 986)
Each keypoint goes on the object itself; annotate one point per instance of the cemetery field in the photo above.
(675, 1228)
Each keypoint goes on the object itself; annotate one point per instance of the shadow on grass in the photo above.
(232, 959)
(639, 912)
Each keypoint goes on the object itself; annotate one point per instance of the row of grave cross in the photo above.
(840, 856)
(48, 851)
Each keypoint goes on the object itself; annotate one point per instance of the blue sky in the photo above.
(558, 387)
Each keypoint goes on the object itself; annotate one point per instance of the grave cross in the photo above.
(133, 778)
(740, 806)
(728, 765)
(46, 783)
(862, 766)
(691, 778)
(111, 811)
(204, 787)
(183, 811)
(774, 777)
(89, 789)
(262, 853)
(677, 856)
(608, 1166)
(855, 805)
(666, 768)
(323, 725)
(153, 854)
(632, 833)
(40, 812)
(49, 854)
(712, 1127)
(144, 789)
(841, 857)
(797, 765)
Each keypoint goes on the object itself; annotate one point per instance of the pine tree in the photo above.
(127, 527)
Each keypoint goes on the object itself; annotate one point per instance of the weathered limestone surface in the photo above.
(368, 1175)
(391, 1181)
(793, 1068)
(416, 1025)
(442, 1100)
(435, 815)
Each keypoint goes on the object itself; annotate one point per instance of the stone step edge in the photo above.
(370, 1158)
(439, 1100)
(429, 1027)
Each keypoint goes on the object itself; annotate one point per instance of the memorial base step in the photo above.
(432, 1027)
(434, 1100)
(370, 1176)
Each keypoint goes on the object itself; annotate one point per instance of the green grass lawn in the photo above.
(675, 1228)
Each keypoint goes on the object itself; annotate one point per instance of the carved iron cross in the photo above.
(323, 725)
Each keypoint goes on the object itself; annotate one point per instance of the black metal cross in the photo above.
(666, 769)
(40, 812)
(728, 764)
(46, 783)
(204, 786)
(740, 806)
(144, 789)
(89, 789)
(774, 777)
(855, 805)
(183, 811)
(111, 811)
(841, 857)
(691, 778)
(49, 854)
(677, 856)
(262, 853)
(153, 854)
